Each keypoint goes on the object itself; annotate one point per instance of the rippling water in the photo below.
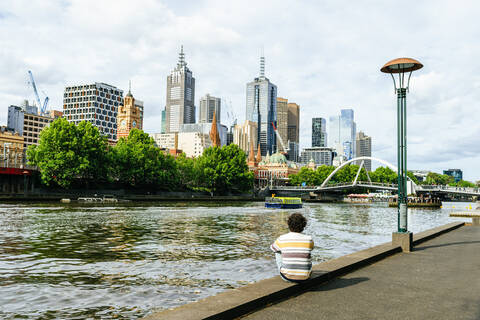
(123, 262)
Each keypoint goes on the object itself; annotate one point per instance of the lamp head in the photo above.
(401, 66)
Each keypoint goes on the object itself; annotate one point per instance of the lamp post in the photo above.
(401, 67)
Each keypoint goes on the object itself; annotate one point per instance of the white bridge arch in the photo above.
(388, 164)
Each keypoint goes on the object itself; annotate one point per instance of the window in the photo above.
(175, 93)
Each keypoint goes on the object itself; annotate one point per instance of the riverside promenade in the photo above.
(440, 279)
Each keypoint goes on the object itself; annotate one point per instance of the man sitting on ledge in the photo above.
(292, 251)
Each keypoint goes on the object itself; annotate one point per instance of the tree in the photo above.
(384, 175)
(136, 161)
(67, 152)
(465, 184)
(438, 179)
(412, 177)
(305, 175)
(187, 171)
(224, 169)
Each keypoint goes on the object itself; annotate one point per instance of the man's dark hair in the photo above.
(296, 222)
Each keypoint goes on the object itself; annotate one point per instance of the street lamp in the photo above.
(401, 67)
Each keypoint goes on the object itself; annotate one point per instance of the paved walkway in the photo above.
(439, 280)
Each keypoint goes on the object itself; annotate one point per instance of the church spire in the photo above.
(214, 136)
(259, 154)
(251, 153)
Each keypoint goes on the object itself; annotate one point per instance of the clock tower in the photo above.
(130, 115)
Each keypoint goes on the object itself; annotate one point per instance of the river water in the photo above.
(126, 261)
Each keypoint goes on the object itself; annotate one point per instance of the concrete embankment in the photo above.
(166, 196)
(245, 300)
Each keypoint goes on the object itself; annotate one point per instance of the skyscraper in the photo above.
(293, 122)
(180, 106)
(364, 149)
(342, 132)
(262, 108)
(96, 103)
(282, 121)
(319, 132)
(208, 106)
(293, 131)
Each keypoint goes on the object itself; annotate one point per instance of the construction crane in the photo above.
(285, 150)
(43, 107)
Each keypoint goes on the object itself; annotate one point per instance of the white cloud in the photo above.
(321, 55)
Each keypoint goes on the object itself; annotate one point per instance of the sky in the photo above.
(322, 55)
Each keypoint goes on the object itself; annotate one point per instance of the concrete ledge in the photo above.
(238, 302)
(435, 232)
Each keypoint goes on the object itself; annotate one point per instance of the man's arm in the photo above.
(275, 247)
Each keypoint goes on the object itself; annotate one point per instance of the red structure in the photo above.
(16, 171)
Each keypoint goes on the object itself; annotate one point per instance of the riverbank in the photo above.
(244, 300)
(165, 196)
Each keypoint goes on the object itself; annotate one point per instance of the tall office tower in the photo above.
(130, 116)
(96, 103)
(208, 106)
(180, 96)
(163, 125)
(293, 122)
(342, 133)
(261, 108)
(282, 121)
(364, 149)
(293, 131)
(319, 132)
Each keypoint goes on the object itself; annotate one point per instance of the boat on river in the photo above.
(104, 199)
(283, 202)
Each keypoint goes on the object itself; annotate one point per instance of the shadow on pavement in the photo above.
(339, 283)
(444, 245)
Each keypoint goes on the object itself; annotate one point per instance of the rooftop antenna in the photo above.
(262, 64)
(181, 58)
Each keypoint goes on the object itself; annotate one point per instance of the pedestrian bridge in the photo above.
(378, 186)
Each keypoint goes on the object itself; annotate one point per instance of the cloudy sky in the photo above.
(323, 55)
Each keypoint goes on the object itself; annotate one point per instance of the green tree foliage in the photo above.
(67, 152)
(344, 175)
(136, 161)
(187, 172)
(412, 177)
(384, 175)
(466, 184)
(222, 170)
(438, 179)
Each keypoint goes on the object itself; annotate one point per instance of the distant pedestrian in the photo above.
(292, 251)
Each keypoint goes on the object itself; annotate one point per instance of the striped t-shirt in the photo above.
(296, 260)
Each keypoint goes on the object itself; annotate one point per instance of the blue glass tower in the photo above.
(342, 133)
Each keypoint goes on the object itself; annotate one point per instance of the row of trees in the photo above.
(443, 179)
(381, 174)
(70, 155)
